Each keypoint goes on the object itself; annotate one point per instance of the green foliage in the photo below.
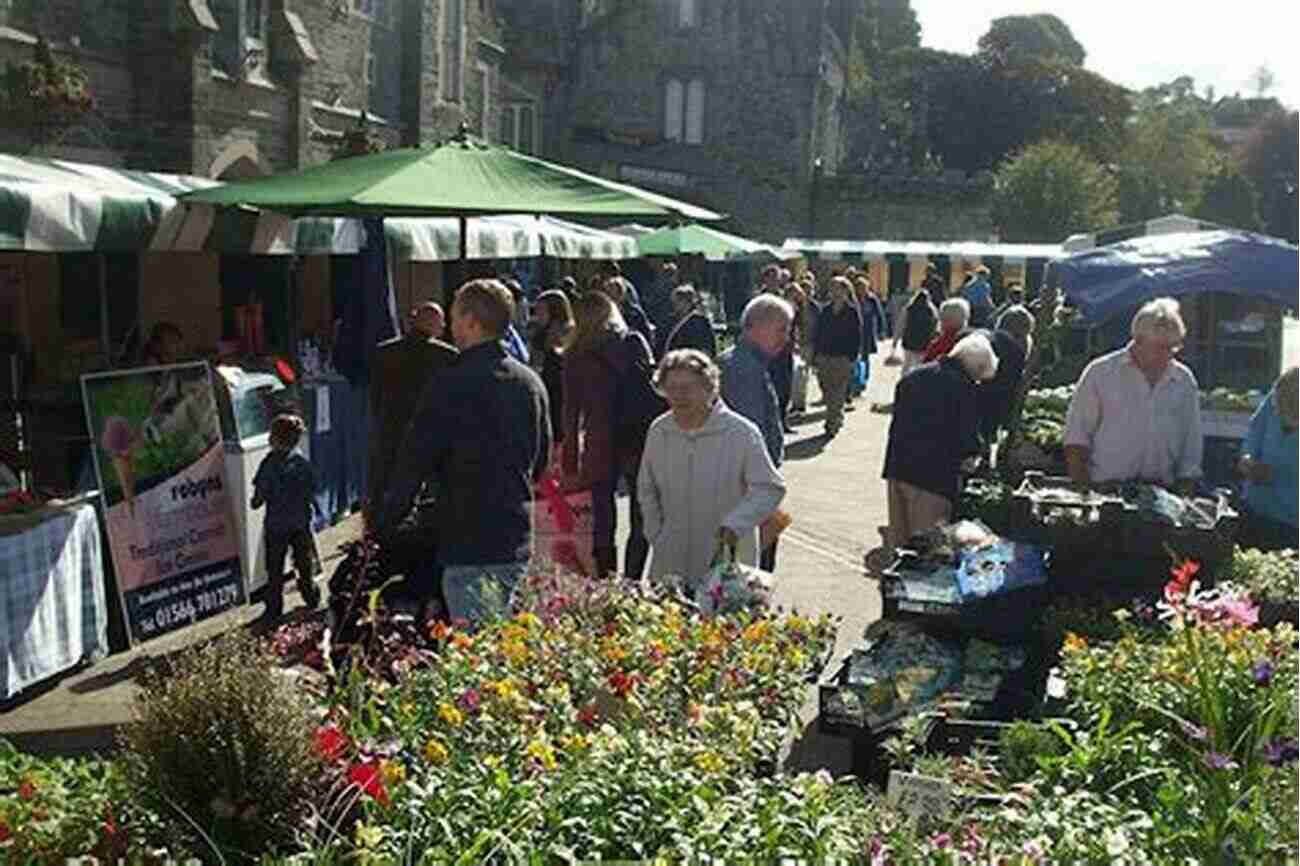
(1229, 199)
(1020, 747)
(44, 93)
(221, 749)
(1168, 153)
(1016, 39)
(1272, 576)
(1050, 191)
(1269, 158)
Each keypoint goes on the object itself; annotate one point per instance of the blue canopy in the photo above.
(1114, 279)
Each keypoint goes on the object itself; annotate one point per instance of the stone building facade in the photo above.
(727, 103)
(237, 88)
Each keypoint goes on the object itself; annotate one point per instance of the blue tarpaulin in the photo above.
(1111, 280)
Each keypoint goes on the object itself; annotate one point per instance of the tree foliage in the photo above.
(1049, 191)
(1230, 200)
(1017, 39)
(1269, 158)
(1168, 153)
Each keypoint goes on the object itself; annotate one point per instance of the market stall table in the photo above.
(52, 599)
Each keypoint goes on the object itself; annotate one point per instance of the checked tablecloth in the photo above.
(53, 611)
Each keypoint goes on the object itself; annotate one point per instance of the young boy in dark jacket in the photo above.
(284, 483)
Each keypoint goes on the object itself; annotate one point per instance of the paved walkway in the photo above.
(835, 496)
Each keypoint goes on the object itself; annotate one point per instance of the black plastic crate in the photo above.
(960, 737)
(835, 702)
(1009, 616)
(1047, 511)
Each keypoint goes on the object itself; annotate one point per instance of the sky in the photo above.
(1140, 43)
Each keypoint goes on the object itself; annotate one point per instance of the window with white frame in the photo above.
(673, 110)
(687, 14)
(695, 112)
(684, 111)
(519, 127)
(453, 50)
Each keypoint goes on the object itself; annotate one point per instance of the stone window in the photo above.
(485, 83)
(687, 14)
(684, 111)
(239, 48)
(673, 110)
(695, 112)
(453, 50)
(519, 127)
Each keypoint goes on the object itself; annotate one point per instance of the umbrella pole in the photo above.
(105, 338)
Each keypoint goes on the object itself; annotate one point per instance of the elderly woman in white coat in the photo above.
(705, 474)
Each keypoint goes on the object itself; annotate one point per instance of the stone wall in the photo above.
(909, 209)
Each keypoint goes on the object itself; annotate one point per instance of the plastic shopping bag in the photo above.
(730, 587)
(563, 527)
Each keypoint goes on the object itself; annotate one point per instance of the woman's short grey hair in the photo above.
(765, 308)
(1019, 323)
(976, 354)
(955, 309)
(1160, 319)
(696, 362)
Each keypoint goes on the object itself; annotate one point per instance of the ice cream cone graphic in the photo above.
(117, 440)
(125, 469)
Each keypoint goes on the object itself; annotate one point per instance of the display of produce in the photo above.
(1231, 400)
(986, 501)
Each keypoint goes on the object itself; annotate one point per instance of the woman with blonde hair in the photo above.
(602, 357)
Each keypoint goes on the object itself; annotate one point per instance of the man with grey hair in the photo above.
(747, 389)
(1136, 412)
(935, 427)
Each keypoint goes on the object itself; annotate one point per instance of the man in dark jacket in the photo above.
(693, 329)
(746, 386)
(402, 367)
(935, 426)
(837, 345)
(1011, 343)
(933, 285)
(483, 434)
(658, 300)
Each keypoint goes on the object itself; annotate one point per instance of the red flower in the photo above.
(26, 790)
(369, 778)
(313, 659)
(5, 834)
(587, 715)
(622, 683)
(1177, 588)
(331, 743)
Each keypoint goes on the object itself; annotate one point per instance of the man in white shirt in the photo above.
(1136, 412)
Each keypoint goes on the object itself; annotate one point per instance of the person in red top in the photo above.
(954, 315)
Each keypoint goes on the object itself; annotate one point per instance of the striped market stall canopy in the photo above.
(56, 206)
(862, 251)
(1168, 224)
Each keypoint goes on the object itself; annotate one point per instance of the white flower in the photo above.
(1116, 842)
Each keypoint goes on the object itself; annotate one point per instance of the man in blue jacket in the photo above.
(747, 388)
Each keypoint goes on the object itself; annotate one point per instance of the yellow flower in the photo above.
(368, 836)
(393, 771)
(577, 743)
(1074, 642)
(451, 715)
(709, 762)
(797, 624)
(528, 620)
(492, 761)
(756, 632)
(515, 652)
(612, 652)
(435, 752)
(540, 751)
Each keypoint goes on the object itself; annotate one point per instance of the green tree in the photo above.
(1050, 191)
(1269, 158)
(1230, 200)
(1168, 154)
(1017, 39)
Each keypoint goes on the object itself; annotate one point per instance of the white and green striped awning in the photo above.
(49, 205)
(1168, 224)
(863, 251)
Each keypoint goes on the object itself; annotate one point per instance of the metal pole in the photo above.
(105, 338)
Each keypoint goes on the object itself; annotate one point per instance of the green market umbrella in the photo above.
(698, 240)
(462, 177)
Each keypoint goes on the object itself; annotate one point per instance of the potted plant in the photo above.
(45, 93)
